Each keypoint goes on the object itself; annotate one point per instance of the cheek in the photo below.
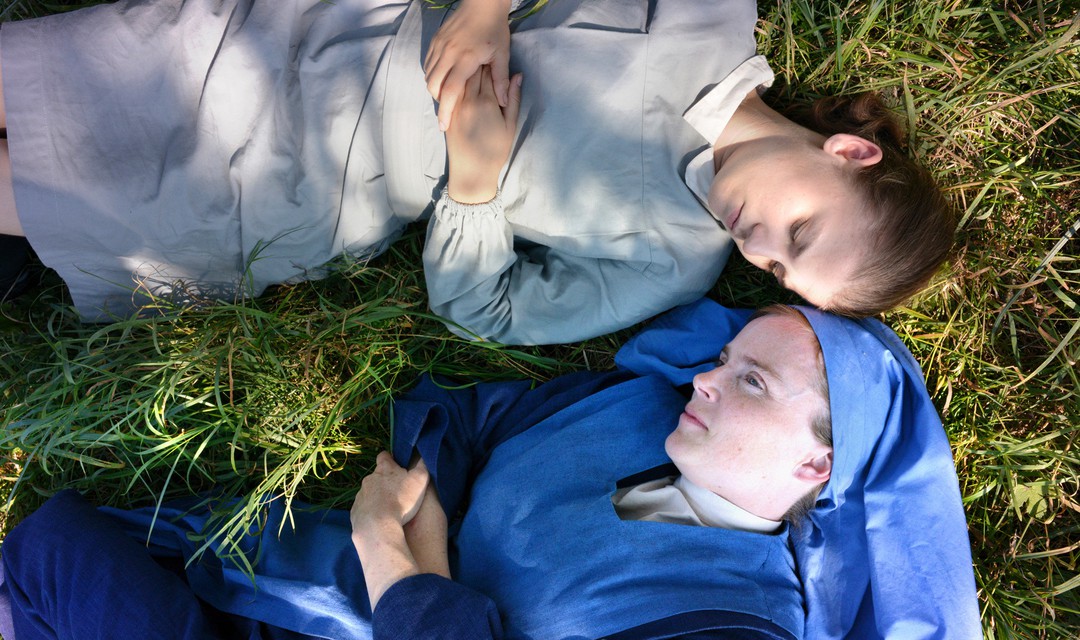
(715, 202)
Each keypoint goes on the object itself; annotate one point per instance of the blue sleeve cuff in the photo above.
(431, 606)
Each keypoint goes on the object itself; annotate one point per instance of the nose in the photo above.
(707, 384)
(757, 242)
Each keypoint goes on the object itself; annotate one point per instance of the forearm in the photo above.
(385, 557)
(427, 538)
(478, 280)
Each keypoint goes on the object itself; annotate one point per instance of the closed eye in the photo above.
(802, 234)
(795, 227)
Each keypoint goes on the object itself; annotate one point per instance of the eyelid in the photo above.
(760, 386)
(796, 227)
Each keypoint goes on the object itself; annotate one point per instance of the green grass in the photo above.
(288, 395)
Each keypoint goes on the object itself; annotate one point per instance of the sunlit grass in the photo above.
(286, 397)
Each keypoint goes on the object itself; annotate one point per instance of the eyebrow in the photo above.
(769, 371)
(753, 363)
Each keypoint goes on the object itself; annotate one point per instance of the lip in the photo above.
(733, 220)
(693, 420)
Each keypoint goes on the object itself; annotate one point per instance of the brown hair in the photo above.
(912, 225)
(821, 424)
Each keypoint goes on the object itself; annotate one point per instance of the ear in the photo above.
(816, 468)
(854, 149)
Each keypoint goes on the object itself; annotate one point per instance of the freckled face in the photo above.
(749, 419)
(792, 211)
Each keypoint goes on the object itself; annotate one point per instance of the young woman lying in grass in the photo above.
(204, 149)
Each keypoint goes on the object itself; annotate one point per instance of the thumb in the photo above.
(414, 489)
(419, 469)
(513, 106)
(500, 77)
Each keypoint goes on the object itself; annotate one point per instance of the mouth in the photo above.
(692, 420)
(733, 220)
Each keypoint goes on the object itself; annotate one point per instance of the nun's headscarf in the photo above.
(885, 553)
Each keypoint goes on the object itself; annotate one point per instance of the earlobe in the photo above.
(851, 148)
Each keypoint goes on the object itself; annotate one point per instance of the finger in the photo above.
(430, 65)
(500, 77)
(420, 470)
(454, 89)
(432, 57)
(385, 461)
(486, 88)
(513, 107)
(436, 77)
(446, 109)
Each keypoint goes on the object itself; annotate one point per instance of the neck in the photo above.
(770, 503)
(754, 120)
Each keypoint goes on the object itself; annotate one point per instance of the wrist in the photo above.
(479, 191)
(371, 535)
(385, 558)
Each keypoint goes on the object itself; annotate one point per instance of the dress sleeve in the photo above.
(455, 428)
(431, 606)
(488, 287)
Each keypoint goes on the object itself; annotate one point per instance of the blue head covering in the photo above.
(885, 552)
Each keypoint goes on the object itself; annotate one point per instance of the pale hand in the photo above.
(479, 141)
(477, 33)
(389, 494)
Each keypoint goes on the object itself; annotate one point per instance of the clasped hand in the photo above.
(479, 140)
(390, 495)
(467, 71)
(476, 33)
(398, 526)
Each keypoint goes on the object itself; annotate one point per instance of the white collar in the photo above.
(716, 511)
(709, 115)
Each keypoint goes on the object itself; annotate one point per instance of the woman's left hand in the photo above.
(476, 33)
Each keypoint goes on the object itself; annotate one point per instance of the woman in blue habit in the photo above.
(805, 490)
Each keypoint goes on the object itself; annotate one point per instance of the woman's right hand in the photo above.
(480, 139)
(477, 33)
(390, 495)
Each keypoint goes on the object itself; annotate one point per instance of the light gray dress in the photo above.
(210, 148)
